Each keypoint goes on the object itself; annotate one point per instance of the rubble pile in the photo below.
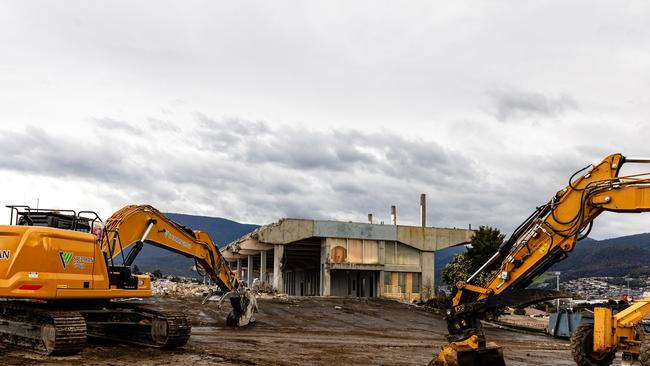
(166, 287)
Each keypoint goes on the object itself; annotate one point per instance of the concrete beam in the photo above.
(278, 253)
(230, 256)
(253, 244)
(246, 252)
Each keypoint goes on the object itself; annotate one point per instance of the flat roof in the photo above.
(288, 231)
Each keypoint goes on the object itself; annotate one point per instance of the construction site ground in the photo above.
(307, 331)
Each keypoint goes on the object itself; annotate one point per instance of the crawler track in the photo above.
(42, 330)
(139, 324)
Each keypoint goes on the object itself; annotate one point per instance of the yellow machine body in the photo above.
(546, 237)
(53, 264)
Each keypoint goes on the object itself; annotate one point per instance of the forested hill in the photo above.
(615, 257)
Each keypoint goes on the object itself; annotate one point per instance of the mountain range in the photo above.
(615, 257)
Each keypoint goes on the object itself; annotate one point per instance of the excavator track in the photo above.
(139, 324)
(42, 330)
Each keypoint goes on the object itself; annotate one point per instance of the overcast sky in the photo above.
(255, 111)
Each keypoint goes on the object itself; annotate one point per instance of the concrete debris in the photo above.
(261, 286)
(165, 287)
(337, 308)
(175, 287)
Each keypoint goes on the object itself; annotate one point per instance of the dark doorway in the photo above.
(353, 283)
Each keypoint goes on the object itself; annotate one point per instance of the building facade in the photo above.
(334, 258)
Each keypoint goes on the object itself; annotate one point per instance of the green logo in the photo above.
(66, 257)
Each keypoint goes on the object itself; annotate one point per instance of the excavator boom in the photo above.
(129, 228)
(546, 237)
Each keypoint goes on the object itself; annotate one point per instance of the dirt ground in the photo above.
(308, 331)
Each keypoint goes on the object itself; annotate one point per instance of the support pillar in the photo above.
(325, 283)
(249, 271)
(239, 270)
(278, 253)
(428, 285)
(263, 266)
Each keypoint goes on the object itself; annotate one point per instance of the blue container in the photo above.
(561, 325)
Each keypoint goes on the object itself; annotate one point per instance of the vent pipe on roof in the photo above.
(393, 215)
(423, 210)
(370, 218)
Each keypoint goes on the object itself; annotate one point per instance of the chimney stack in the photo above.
(393, 215)
(423, 210)
(370, 218)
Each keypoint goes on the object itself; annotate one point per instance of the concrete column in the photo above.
(381, 282)
(239, 271)
(325, 283)
(263, 266)
(249, 271)
(428, 285)
(278, 253)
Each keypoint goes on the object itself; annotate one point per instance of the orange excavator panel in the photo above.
(48, 263)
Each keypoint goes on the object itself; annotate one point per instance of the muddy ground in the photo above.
(308, 331)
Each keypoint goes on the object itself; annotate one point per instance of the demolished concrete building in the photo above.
(305, 257)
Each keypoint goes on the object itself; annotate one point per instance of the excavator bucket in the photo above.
(467, 353)
(244, 306)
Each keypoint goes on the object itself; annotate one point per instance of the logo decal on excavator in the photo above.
(66, 257)
(5, 255)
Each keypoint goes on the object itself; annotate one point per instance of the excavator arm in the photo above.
(546, 237)
(128, 229)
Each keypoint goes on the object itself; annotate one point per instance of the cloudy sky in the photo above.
(255, 111)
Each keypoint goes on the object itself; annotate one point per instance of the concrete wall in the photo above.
(286, 231)
(337, 229)
(431, 238)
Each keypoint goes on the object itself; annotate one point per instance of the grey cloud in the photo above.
(110, 124)
(38, 152)
(512, 103)
(162, 125)
(338, 151)
(245, 170)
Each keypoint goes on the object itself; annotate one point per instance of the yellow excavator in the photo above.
(546, 237)
(61, 280)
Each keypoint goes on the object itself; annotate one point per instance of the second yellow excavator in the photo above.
(546, 237)
(60, 281)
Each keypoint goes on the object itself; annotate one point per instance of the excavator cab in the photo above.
(119, 276)
(58, 219)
